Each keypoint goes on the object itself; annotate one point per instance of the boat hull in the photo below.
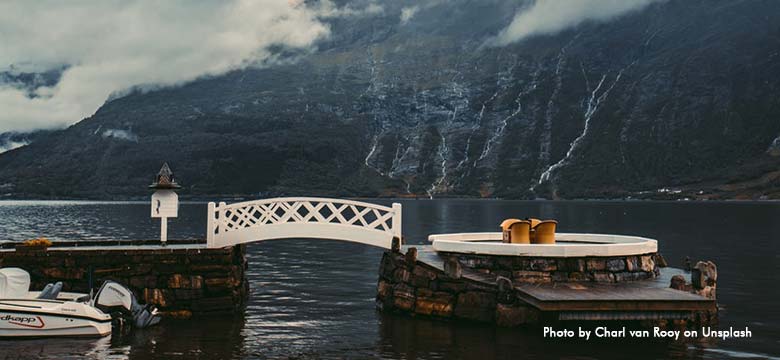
(46, 318)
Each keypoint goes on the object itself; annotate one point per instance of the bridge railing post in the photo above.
(210, 220)
(222, 217)
(397, 220)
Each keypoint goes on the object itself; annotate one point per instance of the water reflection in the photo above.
(69, 220)
(314, 298)
(413, 338)
(56, 348)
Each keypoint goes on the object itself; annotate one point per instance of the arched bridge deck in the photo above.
(302, 217)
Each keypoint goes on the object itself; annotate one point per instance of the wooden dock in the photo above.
(631, 300)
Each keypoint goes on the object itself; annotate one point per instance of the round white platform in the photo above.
(567, 245)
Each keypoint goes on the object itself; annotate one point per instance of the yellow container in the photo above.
(544, 232)
(516, 231)
(534, 222)
(505, 229)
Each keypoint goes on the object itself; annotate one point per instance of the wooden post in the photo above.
(395, 245)
(411, 257)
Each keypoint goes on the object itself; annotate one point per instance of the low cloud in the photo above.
(407, 13)
(327, 9)
(120, 134)
(10, 145)
(107, 47)
(553, 16)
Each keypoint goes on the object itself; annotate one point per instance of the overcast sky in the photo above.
(113, 45)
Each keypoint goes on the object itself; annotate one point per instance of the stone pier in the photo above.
(519, 290)
(180, 279)
(417, 287)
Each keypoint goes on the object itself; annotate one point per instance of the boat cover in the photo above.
(14, 283)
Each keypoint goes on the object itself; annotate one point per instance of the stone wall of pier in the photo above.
(180, 282)
(543, 270)
(409, 286)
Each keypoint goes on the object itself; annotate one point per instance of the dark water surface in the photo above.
(315, 298)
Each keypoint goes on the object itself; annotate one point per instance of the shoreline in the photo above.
(203, 200)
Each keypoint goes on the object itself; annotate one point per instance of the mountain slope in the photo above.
(677, 100)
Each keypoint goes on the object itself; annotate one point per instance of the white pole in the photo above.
(164, 230)
(397, 221)
(210, 220)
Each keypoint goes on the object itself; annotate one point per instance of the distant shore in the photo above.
(233, 198)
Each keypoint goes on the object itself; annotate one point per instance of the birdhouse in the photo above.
(165, 201)
(165, 204)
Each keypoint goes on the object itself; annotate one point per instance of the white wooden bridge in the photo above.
(302, 217)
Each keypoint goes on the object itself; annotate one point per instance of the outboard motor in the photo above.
(113, 296)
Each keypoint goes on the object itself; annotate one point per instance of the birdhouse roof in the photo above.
(165, 179)
(165, 170)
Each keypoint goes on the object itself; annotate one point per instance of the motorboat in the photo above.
(52, 312)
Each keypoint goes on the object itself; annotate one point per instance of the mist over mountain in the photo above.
(641, 99)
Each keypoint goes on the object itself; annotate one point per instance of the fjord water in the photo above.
(315, 298)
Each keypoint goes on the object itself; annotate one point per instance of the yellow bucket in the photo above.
(544, 232)
(516, 231)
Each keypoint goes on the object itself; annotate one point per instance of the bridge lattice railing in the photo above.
(230, 224)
